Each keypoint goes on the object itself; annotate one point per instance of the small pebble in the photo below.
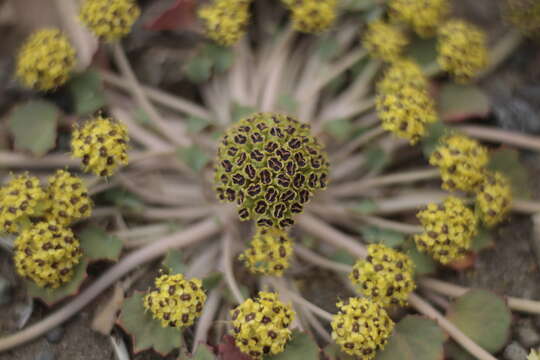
(46, 355)
(514, 351)
(527, 335)
(5, 291)
(55, 335)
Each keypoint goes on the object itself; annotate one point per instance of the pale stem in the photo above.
(506, 46)
(187, 213)
(504, 136)
(202, 264)
(312, 319)
(281, 288)
(205, 322)
(226, 246)
(316, 259)
(189, 236)
(358, 142)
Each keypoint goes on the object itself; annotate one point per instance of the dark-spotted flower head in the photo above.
(401, 73)
(225, 21)
(424, 16)
(109, 20)
(384, 41)
(67, 198)
(261, 325)
(312, 16)
(493, 198)
(270, 165)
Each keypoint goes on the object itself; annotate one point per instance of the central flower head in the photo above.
(270, 165)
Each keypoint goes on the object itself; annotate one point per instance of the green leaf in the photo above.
(333, 352)
(375, 235)
(52, 296)
(376, 158)
(146, 332)
(343, 257)
(301, 346)
(365, 207)
(423, 263)
(174, 262)
(482, 240)
(194, 157)
(287, 102)
(123, 199)
(478, 311)
(507, 162)
(196, 125)
(198, 68)
(456, 352)
(328, 48)
(359, 5)
(340, 129)
(98, 245)
(222, 57)
(414, 338)
(434, 133)
(241, 111)
(424, 51)
(87, 91)
(204, 353)
(33, 126)
(460, 102)
(212, 280)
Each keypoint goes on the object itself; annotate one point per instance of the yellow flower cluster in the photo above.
(45, 60)
(109, 19)
(46, 253)
(312, 16)
(176, 301)
(493, 198)
(269, 252)
(462, 49)
(402, 73)
(270, 165)
(19, 199)
(102, 145)
(422, 15)
(225, 20)
(384, 41)
(525, 14)
(386, 276)
(361, 327)
(448, 230)
(461, 161)
(261, 326)
(67, 198)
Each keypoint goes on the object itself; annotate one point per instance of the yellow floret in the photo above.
(102, 145)
(493, 198)
(402, 73)
(386, 276)
(462, 50)
(261, 326)
(384, 41)
(361, 327)
(19, 199)
(45, 60)
(269, 252)
(47, 254)
(461, 161)
(225, 21)
(525, 14)
(406, 112)
(423, 15)
(313, 16)
(176, 301)
(448, 230)
(109, 19)
(67, 198)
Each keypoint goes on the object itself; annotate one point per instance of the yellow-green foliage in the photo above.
(493, 198)
(45, 60)
(386, 276)
(384, 41)
(462, 49)
(261, 326)
(269, 252)
(270, 165)
(312, 16)
(402, 73)
(176, 301)
(423, 15)
(225, 21)
(448, 229)
(46, 254)
(67, 199)
(18, 200)
(102, 145)
(461, 161)
(361, 327)
(109, 20)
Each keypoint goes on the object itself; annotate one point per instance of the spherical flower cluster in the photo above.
(102, 144)
(384, 41)
(386, 276)
(270, 165)
(45, 60)
(312, 16)
(448, 230)
(261, 326)
(401, 73)
(493, 198)
(525, 14)
(225, 20)
(67, 198)
(109, 19)
(176, 301)
(462, 49)
(406, 112)
(47, 253)
(18, 201)
(269, 252)
(423, 15)
(461, 161)
(361, 327)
